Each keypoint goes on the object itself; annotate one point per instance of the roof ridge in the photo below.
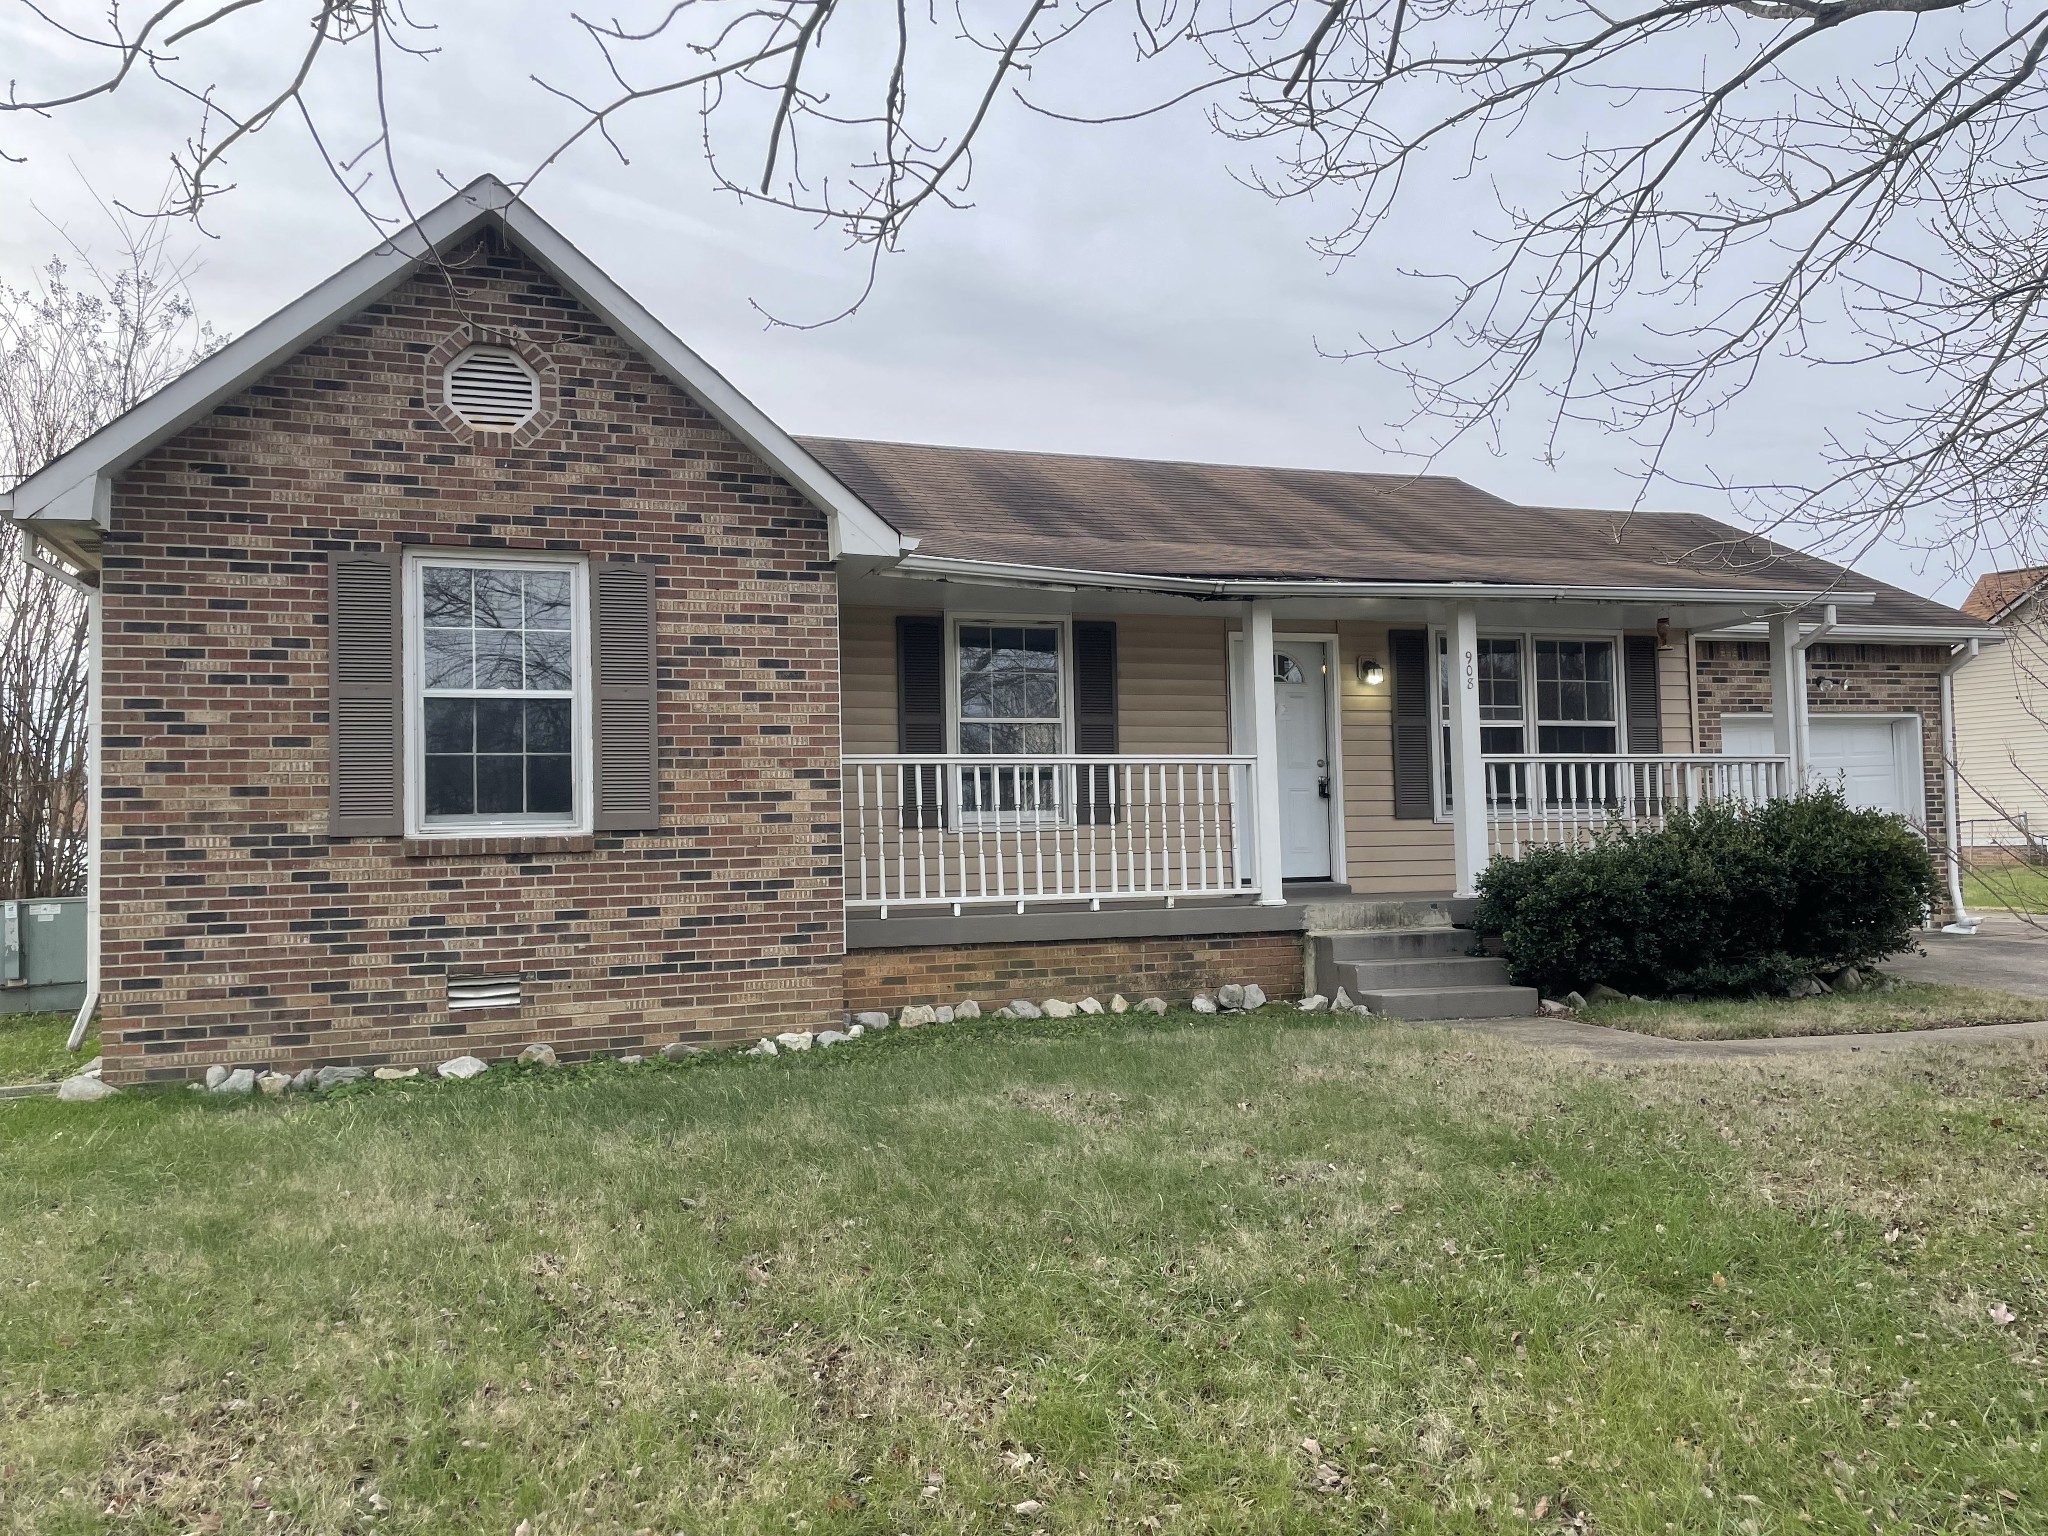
(808, 438)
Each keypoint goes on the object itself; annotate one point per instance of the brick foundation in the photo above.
(991, 974)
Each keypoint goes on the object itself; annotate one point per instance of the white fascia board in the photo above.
(54, 491)
(940, 567)
(76, 486)
(856, 529)
(1895, 634)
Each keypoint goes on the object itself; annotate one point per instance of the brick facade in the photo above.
(1173, 968)
(1734, 677)
(236, 931)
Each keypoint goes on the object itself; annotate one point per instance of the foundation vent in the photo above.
(483, 991)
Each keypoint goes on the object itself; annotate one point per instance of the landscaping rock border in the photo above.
(1231, 997)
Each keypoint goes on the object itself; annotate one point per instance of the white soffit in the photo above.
(75, 486)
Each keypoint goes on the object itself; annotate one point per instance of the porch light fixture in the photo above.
(1663, 634)
(1371, 673)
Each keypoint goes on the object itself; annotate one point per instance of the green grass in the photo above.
(2014, 887)
(1123, 1271)
(32, 1048)
(1902, 1005)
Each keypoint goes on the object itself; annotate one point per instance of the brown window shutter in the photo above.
(1095, 711)
(365, 696)
(1640, 696)
(921, 713)
(628, 790)
(1414, 707)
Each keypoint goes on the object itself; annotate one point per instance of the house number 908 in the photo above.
(1471, 671)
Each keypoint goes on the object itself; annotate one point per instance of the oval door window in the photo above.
(1286, 669)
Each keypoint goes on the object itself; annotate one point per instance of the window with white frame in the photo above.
(1012, 703)
(1576, 697)
(1570, 709)
(498, 693)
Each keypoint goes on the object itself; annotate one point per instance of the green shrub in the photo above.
(1722, 901)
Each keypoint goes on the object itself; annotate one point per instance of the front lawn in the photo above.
(1270, 1274)
(1902, 1005)
(2013, 887)
(32, 1048)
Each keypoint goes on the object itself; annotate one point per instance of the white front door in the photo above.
(1301, 703)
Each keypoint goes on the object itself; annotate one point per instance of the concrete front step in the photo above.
(1502, 1002)
(1419, 973)
(1357, 976)
(1393, 944)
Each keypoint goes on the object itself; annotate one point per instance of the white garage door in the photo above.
(1874, 758)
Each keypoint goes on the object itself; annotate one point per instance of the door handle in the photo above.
(1323, 786)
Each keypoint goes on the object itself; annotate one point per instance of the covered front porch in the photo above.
(1041, 748)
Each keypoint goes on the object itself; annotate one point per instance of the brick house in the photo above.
(474, 665)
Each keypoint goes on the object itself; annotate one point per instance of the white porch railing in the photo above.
(967, 830)
(1547, 801)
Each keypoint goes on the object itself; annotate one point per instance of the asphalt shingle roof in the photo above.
(1158, 518)
(1997, 591)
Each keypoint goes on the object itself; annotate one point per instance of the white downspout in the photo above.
(91, 1004)
(1959, 656)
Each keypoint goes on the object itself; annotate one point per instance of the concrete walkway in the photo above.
(1626, 1045)
(2006, 953)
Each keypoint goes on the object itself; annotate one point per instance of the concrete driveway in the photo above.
(2006, 954)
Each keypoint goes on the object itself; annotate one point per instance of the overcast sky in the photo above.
(1112, 290)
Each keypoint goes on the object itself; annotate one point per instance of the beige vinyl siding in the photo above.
(2002, 736)
(1172, 683)
(867, 682)
(1674, 694)
(1383, 856)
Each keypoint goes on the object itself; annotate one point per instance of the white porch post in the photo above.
(1468, 773)
(1266, 747)
(1788, 696)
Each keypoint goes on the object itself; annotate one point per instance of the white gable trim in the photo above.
(76, 487)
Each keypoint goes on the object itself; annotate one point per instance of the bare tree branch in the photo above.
(73, 355)
(1850, 184)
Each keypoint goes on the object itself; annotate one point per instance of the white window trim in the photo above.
(1527, 639)
(581, 747)
(1065, 814)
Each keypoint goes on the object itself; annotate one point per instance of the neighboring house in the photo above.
(2002, 720)
(475, 665)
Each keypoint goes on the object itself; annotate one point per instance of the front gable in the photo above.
(70, 497)
(244, 916)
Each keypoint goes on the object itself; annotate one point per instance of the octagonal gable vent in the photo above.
(492, 388)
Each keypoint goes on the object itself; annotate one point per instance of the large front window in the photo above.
(497, 700)
(1502, 707)
(1012, 704)
(1569, 710)
(1575, 696)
